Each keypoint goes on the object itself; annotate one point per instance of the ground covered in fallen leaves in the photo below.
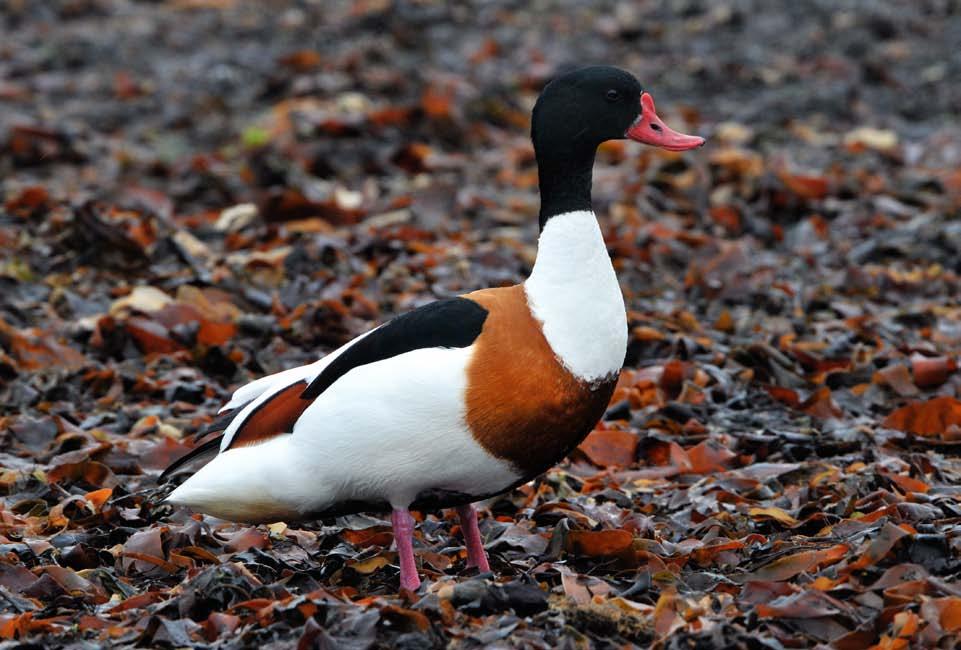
(198, 192)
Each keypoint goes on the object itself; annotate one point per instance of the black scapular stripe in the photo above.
(211, 446)
(219, 423)
(448, 323)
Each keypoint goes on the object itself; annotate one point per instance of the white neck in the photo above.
(574, 293)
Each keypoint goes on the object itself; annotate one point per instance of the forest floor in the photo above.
(198, 192)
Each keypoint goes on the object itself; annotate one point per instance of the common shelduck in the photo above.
(460, 399)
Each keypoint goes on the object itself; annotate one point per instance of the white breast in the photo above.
(573, 292)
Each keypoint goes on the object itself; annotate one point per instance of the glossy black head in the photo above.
(579, 110)
(576, 113)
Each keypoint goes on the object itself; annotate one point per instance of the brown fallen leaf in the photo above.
(368, 566)
(666, 616)
(219, 624)
(34, 349)
(897, 377)
(821, 404)
(949, 612)
(98, 497)
(906, 625)
(23, 625)
(90, 471)
(789, 566)
(247, 538)
(152, 337)
(15, 577)
(437, 101)
(609, 447)
(784, 395)
(301, 60)
(582, 589)
(905, 482)
(806, 186)
(673, 376)
(932, 371)
(598, 543)
(709, 456)
(143, 551)
(879, 547)
(402, 615)
(805, 604)
(930, 418)
(373, 536)
(31, 201)
(774, 513)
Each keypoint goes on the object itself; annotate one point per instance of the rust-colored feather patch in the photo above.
(523, 405)
(273, 417)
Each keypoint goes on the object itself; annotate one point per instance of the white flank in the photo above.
(573, 292)
(386, 431)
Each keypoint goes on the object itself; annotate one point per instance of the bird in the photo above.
(463, 398)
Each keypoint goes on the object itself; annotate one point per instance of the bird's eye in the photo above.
(612, 95)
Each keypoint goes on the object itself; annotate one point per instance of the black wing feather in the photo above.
(212, 445)
(448, 323)
(221, 422)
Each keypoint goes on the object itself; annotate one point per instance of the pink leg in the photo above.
(476, 556)
(403, 525)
